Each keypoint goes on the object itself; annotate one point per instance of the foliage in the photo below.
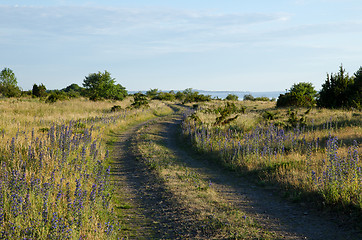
(156, 94)
(74, 90)
(166, 96)
(140, 101)
(8, 83)
(335, 91)
(301, 95)
(116, 108)
(355, 90)
(102, 86)
(226, 112)
(152, 93)
(55, 96)
(39, 91)
(249, 97)
(304, 157)
(194, 96)
(268, 115)
(54, 169)
(232, 97)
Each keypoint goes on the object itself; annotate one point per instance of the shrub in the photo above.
(300, 95)
(116, 108)
(140, 100)
(248, 97)
(39, 91)
(56, 96)
(194, 96)
(232, 97)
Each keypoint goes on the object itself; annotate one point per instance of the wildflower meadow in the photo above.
(55, 173)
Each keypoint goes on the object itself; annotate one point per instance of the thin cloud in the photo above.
(156, 29)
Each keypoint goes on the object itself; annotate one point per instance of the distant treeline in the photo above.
(339, 91)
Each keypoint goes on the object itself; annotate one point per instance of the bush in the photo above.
(300, 95)
(39, 91)
(56, 96)
(232, 97)
(194, 96)
(248, 97)
(116, 108)
(140, 100)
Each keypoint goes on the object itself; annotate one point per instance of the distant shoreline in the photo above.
(223, 94)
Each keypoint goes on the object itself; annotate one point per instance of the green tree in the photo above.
(74, 91)
(301, 95)
(194, 96)
(334, 93)
(232, 97)
(8, 83)
(354, 91)
(152, 93)
(102, 86)
(39, 91)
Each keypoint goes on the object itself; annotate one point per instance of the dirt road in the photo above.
(155, 209)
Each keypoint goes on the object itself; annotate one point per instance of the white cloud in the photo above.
(153, 29)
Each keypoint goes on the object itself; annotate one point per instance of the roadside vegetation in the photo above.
(54, 173)
(212, 215)
(55, 151)
(310, 154)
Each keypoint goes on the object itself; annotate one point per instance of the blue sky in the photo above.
(259, 45)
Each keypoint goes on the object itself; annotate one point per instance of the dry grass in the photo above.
(193, 189)
(305, 163)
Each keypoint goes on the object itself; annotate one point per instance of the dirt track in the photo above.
(156, 213)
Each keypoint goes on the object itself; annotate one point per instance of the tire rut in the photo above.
(156, 213)
(287, 220)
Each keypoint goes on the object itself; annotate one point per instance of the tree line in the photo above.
(340, 90)
(96, 86)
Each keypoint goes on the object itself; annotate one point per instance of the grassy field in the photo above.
(54, 173)
(310, 153)
(54, 161)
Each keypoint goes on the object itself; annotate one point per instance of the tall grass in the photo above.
(321, 156)
(54, 173)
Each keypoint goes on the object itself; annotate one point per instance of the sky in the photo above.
(229, 45)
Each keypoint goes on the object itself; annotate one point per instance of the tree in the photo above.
(232, 97)
(8, 83)
(74, 91)
(301, 95)
(334, 93)
(152, 93)
(102, 86)
(194, 96)
(354, 91)
(39, 91)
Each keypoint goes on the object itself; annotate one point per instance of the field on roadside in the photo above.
(310, 153)
(54, 173)
(55, 162)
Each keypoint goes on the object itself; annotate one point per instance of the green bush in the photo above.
(232, 97)
(102, 86)
(341, 90)
(300, 95)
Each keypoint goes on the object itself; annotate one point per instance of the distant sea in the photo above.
(223, 94)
